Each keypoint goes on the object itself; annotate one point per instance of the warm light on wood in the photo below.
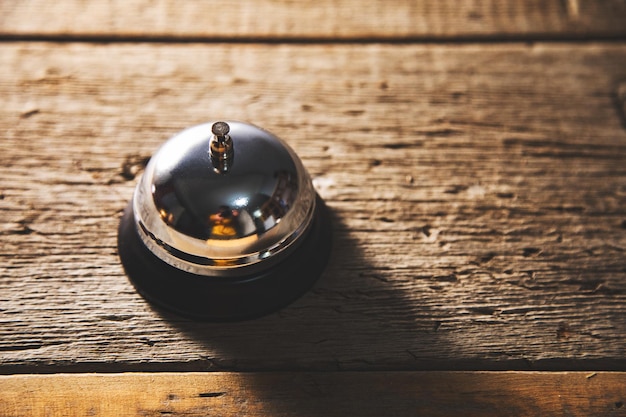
(329, 394)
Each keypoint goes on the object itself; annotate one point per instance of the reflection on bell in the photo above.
(224, 224)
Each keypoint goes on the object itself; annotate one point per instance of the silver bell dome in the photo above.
(223, 199)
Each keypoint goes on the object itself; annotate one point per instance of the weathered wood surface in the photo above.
(315, 394)
(321, 19)
(478, 195)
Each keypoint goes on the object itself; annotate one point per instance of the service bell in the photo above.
(224, 224)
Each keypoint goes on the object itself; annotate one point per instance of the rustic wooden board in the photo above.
(303, 394)
(478, 195)
(321, 19)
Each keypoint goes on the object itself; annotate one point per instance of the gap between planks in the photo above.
(580, 38)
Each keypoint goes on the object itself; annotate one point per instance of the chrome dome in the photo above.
(219, 198)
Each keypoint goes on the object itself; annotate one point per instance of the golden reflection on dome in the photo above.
(223, 222)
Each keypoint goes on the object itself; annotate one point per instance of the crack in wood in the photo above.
(619, 100)
(211, 394)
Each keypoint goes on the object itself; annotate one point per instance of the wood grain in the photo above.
(314, 394)
(478, 195)
(318, 20)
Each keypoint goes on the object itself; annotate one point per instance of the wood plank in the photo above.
(330, 394)
(478, 195)
(322, 19)
(333, 394)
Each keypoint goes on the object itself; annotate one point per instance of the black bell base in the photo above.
(225, 298)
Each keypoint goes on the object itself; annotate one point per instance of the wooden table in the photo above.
(473, 155)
